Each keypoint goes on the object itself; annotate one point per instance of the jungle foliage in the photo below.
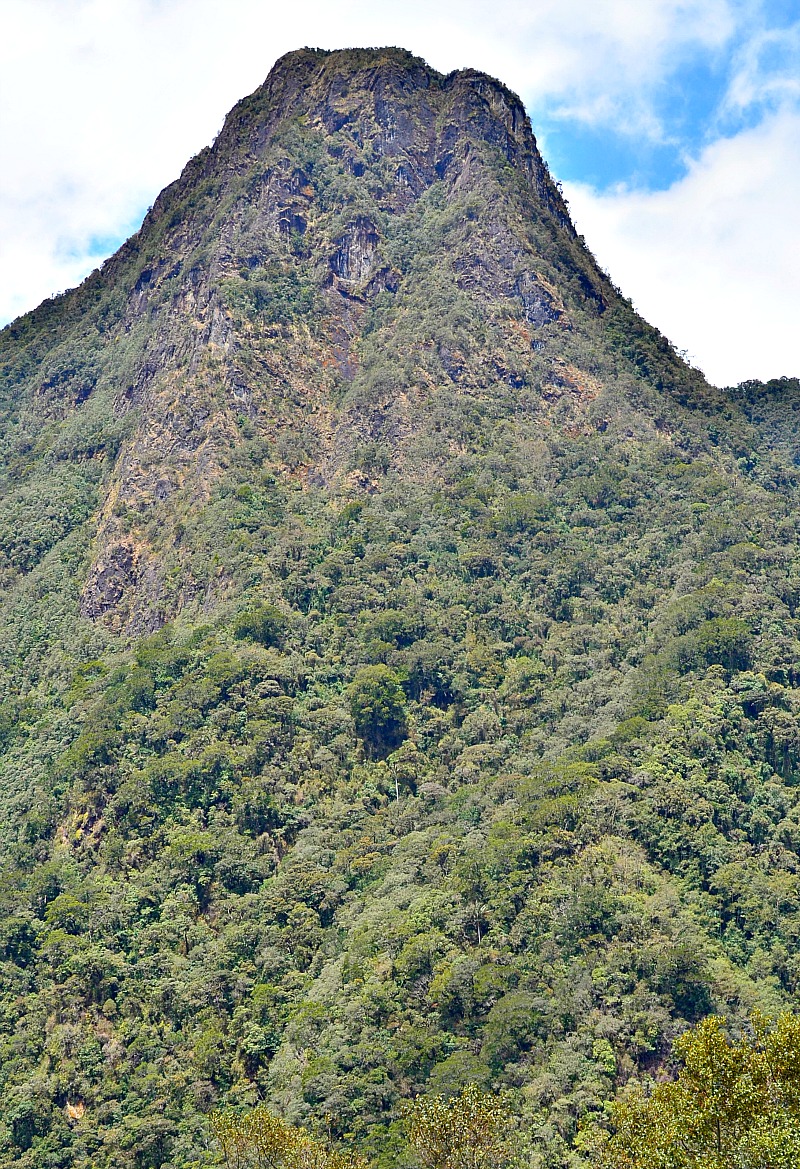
(733, 1104)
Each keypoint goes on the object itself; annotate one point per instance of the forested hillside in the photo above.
(399, 665)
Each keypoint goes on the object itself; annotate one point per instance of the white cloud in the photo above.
(102, 102)
(714, 260)
(766, 70)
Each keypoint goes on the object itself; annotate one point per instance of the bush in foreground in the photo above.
(734, 1105)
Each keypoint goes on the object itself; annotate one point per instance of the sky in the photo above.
(674, 126)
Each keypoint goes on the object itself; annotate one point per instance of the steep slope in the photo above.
(367, 247)
(398, 649)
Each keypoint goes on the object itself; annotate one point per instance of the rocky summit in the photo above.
(399, 652)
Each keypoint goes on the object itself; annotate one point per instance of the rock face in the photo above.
(364, 239)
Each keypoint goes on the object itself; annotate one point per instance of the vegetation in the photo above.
(260, 1140)
(470, 1131)
(377, 704)
(399, 645)
(733, 1104)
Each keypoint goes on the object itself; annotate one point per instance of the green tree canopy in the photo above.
(469, 1131)
(734, 1105)
(263, 623)
(377, 704)
(261, 1140)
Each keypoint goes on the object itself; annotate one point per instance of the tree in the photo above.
(470, 1131)
(260, 1140)
(264, 623)
(734, 1105)
(377, 705)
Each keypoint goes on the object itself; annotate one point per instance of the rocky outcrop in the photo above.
(364, 235)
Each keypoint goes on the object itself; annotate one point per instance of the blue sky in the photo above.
(705, 92)
(673, 124)
(685, 109)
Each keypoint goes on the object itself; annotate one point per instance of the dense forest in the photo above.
(399, 656)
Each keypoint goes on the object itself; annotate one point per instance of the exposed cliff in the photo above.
(369, 251)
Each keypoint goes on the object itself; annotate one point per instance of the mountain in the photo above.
(398, 650)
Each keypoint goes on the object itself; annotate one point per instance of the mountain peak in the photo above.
(391, 101)
(365, 236)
